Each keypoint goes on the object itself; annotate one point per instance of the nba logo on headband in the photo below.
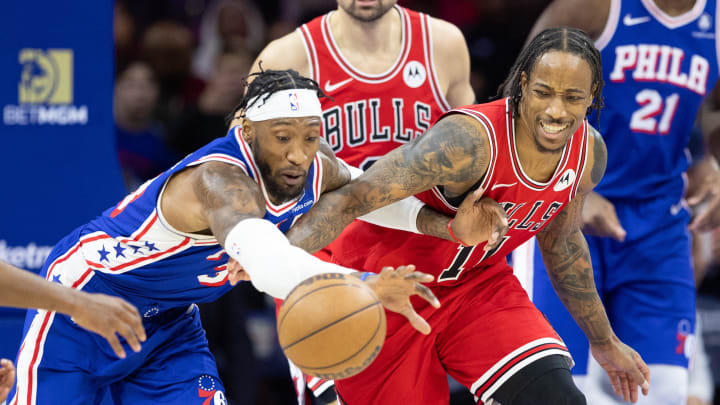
(294, 105)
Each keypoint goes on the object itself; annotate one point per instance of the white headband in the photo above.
(285, 104)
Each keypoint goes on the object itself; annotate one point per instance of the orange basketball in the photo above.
(331, 325)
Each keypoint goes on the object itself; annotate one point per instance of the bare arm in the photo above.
(226, 196)
(99, 313)
(452, 62)
(588, 15)
(567, 259)
(453, 153)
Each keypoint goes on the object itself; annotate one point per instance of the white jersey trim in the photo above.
(204, 239)
(509, 358)
(522, 177)
(310, 52)
(582, 162)
(352, 71)
(673, 22)
(610, 25)
(430, 62)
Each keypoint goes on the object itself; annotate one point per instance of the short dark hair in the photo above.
(268, 82)
(564, 39)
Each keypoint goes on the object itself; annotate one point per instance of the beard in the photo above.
(278, 191)
(378, 11)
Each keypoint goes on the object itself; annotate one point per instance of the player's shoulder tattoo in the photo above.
(599, 155)
(454, 150)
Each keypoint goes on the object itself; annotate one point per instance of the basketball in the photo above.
(331, 325)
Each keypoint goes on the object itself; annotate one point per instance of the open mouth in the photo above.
(552, 130)
(292, 178)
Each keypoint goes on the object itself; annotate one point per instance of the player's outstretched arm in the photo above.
(453, 153)
(224, 199)
(477, 220)
(567, 259)
(105, 315)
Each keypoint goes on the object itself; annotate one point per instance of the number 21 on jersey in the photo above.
(655, 114)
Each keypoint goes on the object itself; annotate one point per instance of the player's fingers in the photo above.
(135, 321)
(419, 277)
(625, 387)
(403, 271)
(645, 371)
(416, 320)
(700, 195)
(129, 334)
(615, 382)
(701, 222)
(492, 242)
(641, 376)
(387, 271)
(115, 344)
(427, 295)
(478, 194)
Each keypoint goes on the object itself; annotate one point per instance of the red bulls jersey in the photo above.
(374, 114)
(529, 204)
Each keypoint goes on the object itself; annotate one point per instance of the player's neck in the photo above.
(367, 38)
(675, 7)
(537, 163)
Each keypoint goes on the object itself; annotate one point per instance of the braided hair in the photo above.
(571, 40)
(268, 82)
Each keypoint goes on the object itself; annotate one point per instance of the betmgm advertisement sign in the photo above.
(45, 90)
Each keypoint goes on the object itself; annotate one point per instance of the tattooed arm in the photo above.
(453, 153)
(567, 259)
(475, 221)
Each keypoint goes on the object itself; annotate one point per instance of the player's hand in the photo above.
(7, 378)
(393, 287)
(480, 219)
(108, 317)
(625, 367)
(236, 272)
(708, 192)
(600, 219)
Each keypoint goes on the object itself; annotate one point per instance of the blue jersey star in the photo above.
(135, 249)
(56, 279)
(103, 254)
(119, 250)
(150, 246)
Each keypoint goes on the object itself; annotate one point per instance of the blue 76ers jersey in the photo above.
(657, 70)
(139, 256)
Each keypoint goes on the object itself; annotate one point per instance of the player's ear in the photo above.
(523, 80)
(248, 131)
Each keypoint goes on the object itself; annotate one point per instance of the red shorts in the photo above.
(486, 330)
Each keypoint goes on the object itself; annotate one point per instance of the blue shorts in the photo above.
(646, 284)
(61, 363)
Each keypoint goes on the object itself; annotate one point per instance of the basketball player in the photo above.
(534, 153)
(391, 72)
(660, 60)
(160, 249)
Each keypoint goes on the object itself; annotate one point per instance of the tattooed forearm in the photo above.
(433, 223)
(454, 152)
(569, 268)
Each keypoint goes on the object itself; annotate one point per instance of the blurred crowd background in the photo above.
(180, 66)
